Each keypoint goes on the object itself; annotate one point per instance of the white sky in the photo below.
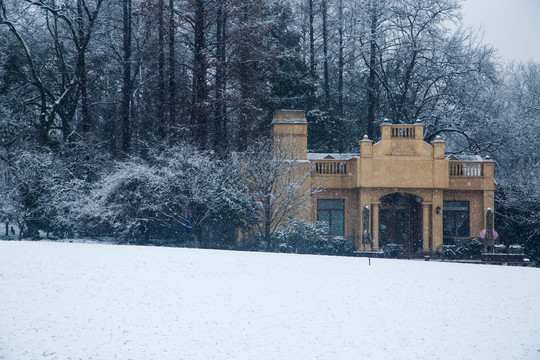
(511, 26)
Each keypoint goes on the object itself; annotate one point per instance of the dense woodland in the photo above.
(127, 117)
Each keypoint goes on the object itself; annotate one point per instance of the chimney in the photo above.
(289, 127)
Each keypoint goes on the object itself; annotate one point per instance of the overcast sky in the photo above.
(511, 26)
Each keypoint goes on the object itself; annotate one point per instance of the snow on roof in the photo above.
(289, 117)
(331, 156)
(336, 156)
(465, 157)
(290, 121)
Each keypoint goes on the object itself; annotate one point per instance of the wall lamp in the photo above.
(438, 209)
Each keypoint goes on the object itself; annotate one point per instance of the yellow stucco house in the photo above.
(400, 190)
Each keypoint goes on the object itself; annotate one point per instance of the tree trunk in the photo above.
(220, 127)
(372, 75)
(267, 227)
(199, 116)
(325, 54)
(340, 60)
(126, 89)
(311, 40)
(85, 117)
(172, 74)
(245, 77)
(161, 112)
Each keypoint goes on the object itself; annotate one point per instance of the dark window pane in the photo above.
(337, 226)
(400, 226)
(455, 206)
(456, 218)
(448, 223)
(331, 211)
(462, 224)
(330, 204)
(324, 216)
(385, 218)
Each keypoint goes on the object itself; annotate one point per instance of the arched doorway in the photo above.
(400, 221)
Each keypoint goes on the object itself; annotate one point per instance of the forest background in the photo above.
(127, 117)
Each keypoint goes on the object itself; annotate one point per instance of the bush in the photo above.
(468, 248)
(299, 236)
(180, 195)
(336, 246)
(304, 237)
(253, 243)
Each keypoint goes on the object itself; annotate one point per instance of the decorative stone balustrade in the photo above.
(329, 167)
(466, 169)
(403, 131)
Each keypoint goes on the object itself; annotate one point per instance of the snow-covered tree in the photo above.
(276, 178)
(181, 194)
(518, 158)
(24, 197)
(57, 75)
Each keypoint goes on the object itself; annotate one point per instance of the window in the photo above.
(456, 218)
(331, 212)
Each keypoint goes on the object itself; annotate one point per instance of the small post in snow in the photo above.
(366, 234)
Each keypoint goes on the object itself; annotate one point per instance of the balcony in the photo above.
(329, 167)
(466, 169)
(333, 174)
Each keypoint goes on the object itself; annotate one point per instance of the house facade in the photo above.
(400, 190)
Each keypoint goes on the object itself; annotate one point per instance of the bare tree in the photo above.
(278, 180)
(55, 98)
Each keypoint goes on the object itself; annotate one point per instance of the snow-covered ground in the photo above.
(91, 301)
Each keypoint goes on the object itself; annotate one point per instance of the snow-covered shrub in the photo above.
(304, 237)
(472, 247)
(515, 249)
(336, 245)
(257, 242)
(122, 201)
(180, 194)
(299, 236)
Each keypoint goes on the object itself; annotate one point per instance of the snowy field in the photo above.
(91, 301)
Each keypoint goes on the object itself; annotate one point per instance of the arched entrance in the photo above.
(400, 221)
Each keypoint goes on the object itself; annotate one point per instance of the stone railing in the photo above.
(329, 167)
(403, 131)
(466, 169)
